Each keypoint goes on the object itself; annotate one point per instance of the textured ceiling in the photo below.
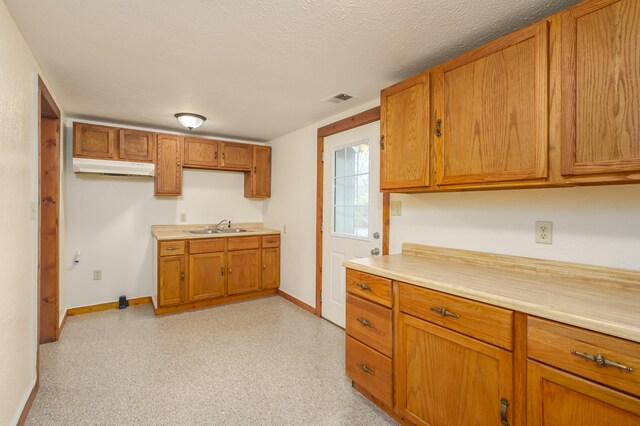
(256, 68)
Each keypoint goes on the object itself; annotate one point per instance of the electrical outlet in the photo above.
(544, 232)
(183, 217)
(395, 208)
(97, 274)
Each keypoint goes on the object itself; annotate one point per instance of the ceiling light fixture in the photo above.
(189, 120)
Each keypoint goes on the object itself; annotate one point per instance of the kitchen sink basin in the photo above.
(219, 231)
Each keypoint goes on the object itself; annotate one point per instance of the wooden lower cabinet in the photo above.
(271, 267)
(206, 276)
(171, 278)
(445, 378)
(243, 271)
(556, 398)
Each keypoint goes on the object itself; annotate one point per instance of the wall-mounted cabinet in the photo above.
(257, 183)
(201, 153)
(169, 165)
(137, 145)
(236, 156)
(93, 141)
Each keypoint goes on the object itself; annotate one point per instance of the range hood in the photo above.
(109, 167)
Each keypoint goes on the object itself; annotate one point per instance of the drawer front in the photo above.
(369, 369)
(172, 248)
(271, 241)
(553, 343)
(243, 243)
(475, 319)
(370, 324)
(370, 287)
(206, 246)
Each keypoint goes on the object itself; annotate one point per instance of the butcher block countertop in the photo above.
(181, 232)
(596, 298)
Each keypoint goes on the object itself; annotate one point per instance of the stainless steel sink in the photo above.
(218, 231)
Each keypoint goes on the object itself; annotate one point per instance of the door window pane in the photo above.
(351, 190)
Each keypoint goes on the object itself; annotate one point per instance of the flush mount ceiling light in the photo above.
(189, 120)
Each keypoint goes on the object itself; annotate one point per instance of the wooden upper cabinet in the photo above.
(601, 88)
(201, 153)
(404, 134)
(493, 105)
(92, 141)
(236, 156)
(168, 179)
(137, 145)
(257, 183)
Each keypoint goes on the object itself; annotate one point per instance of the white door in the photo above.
(352, 206)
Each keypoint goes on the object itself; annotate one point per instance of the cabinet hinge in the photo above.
(322, 157)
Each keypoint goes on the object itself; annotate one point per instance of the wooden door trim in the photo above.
(361, 119)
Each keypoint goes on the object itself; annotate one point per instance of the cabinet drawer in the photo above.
(271, 241)
(370, 323)
(171, 248)
(206, 246)
(370, 287)
(369, 369)
(484, 322)
(553, 344)
(243, 243)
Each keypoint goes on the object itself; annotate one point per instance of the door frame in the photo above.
(48, 204)
(361, 119)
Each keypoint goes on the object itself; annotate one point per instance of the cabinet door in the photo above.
(243, 271)
(206, 276)
(169, 165)
(404, 134)
(270, 268)
(556, 398)
(136, 145)
(257, 183)
(200, 153)
(444, 378)
(236, 156)
(93, 141)
(171, 280)
(601, 87)
(493, 106)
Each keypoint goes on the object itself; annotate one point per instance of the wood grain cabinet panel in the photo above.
(201, 153)
(556, 398)
(206, 276)
(236, 156)
(270, 268)
(601, 89)
(370, 287)
(493, 104)
(257, 182)
(369, 323)
(137, 145)
(404, 131)
(370, 369)
(171, 278)
(243, 271)
(444, 378)
(169, 165)
(93, 141)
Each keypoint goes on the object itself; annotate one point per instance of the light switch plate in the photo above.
(97, 274)
(395, 208)
(183, 217)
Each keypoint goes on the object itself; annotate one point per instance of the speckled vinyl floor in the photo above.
(261, 362)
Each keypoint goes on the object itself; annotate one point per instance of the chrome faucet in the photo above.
(220, 224)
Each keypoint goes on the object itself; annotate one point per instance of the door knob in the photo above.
(375, 251)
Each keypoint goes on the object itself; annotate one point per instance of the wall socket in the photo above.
(544, 232)
(183, 217)
(97, 274)
(395, 208)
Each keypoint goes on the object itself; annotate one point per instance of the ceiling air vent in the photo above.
(340, 97)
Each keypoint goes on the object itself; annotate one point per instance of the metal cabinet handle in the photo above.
(222, 271)
(179, 164)
(438, 130)
(255, 169)
(601, 361)
(229, 271)
(172, 248)
(381, 141)
(182, 276)
(504, 404)
(444, 312)
(264, 266)
(223, 155)
(215, 155)
(364, 286)
(364, 322)
(366, 369)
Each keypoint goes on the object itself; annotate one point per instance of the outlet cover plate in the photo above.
(544, 232)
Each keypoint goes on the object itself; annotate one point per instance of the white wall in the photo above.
(293, 203)
(109, 220)
(18, 192)
(594, 225)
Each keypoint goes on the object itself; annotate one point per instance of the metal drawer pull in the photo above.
(364, 322)
(172, 248)
(601, 361)
(445, 313)
(366, 369)
(364, 286)
(504, 404)
(222, 271)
